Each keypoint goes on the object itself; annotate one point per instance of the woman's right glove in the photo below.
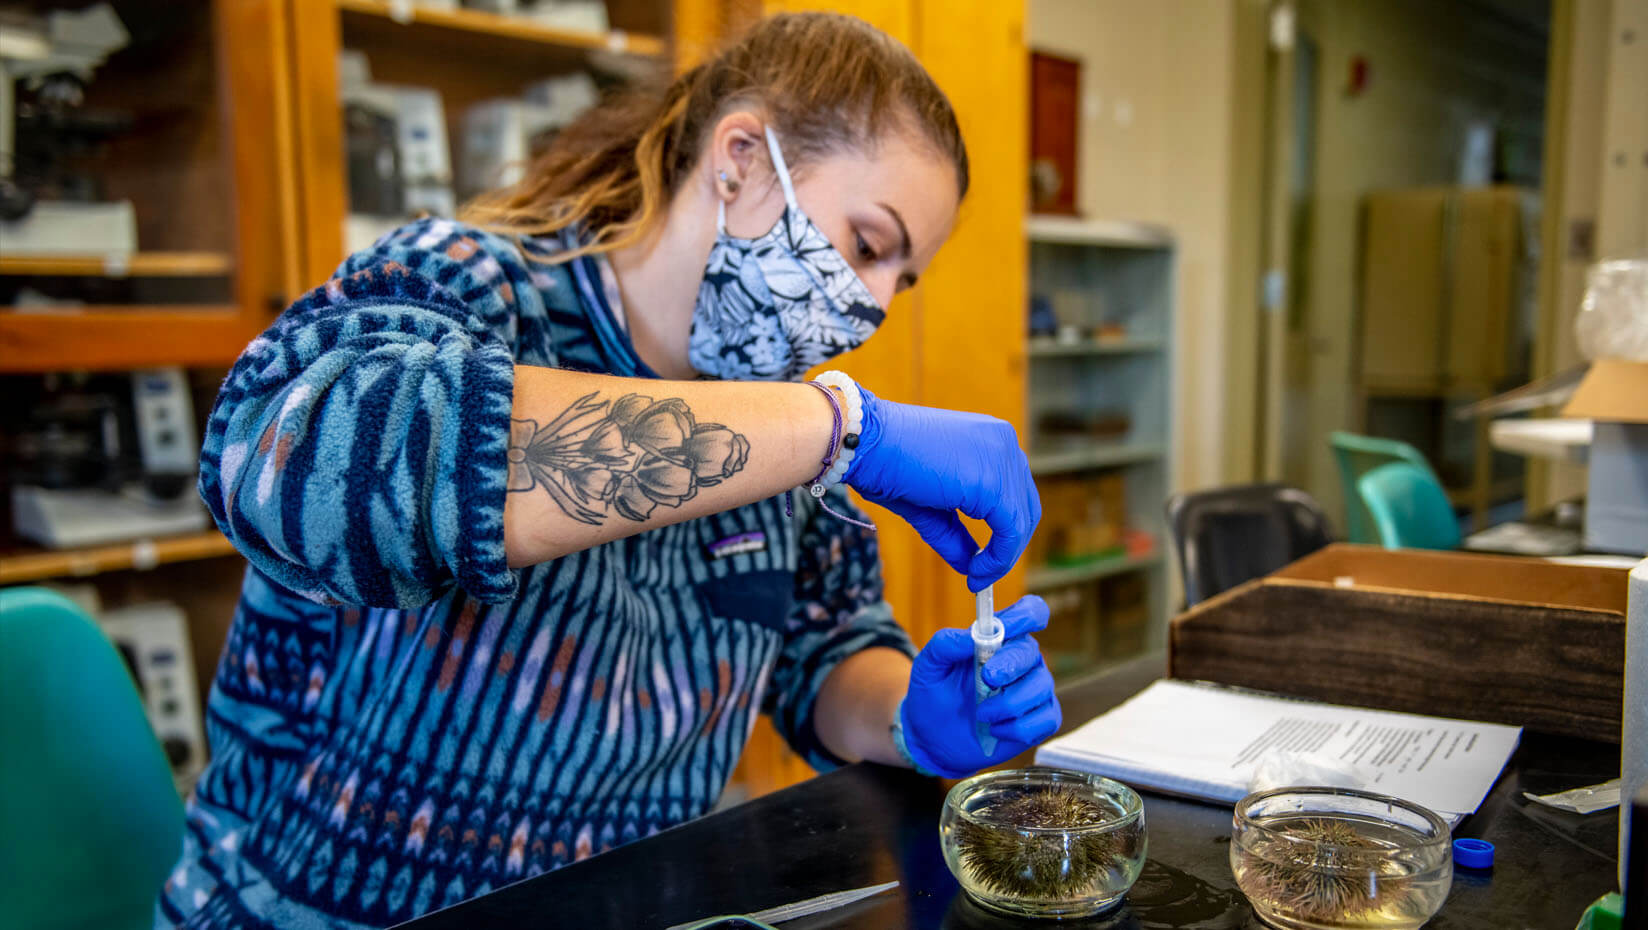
(925, 464)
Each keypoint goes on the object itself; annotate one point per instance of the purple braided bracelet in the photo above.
(814, 486)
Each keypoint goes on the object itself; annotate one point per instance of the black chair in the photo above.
(1226, 536)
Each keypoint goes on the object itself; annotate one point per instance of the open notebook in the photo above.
(1205, 741)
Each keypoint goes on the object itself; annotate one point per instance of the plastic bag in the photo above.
(1581, 800)
(1281, 768)
(1613, 319)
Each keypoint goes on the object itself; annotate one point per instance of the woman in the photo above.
(522, 578)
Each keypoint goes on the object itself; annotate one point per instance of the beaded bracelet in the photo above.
(842, 444)
(855, 423)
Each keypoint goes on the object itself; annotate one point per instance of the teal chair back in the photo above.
(1356, 456)
(1408, 507)
(90, 821)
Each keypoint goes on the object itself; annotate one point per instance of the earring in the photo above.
(732, 186)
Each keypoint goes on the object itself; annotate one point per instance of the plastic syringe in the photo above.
(988, 633)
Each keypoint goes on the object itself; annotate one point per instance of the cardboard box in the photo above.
(1081, 518)
(1615, 395)
(1503, 639)
(1124, 615)
(1071, 640)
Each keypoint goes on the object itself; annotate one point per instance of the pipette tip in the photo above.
(986, 626)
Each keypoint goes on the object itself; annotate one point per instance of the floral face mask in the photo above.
(770, 308)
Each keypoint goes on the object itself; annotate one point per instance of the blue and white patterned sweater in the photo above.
(399, 721)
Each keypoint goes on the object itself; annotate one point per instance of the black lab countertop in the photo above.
(866, 824)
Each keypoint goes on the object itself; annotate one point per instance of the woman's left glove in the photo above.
(936, 717)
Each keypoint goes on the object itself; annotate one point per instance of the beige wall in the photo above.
(1622, 222)
(1596, 178)
(1156, 145)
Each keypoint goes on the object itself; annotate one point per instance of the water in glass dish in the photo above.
(1045, 850)
(1309, 871)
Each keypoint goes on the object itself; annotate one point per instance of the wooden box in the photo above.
(1501, 639)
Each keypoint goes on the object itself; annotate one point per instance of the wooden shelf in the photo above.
(117, 265)
(16, 568)
(1048, 577)
(1116, 234)
(511, 28)
(1051, 348)
(122, 337)
(1097, 455)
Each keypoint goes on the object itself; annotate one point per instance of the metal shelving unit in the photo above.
(1118, 275)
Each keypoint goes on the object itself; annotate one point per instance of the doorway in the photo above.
(1386, 321)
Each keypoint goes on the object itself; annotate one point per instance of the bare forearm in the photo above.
(593, 458)
(858, 703)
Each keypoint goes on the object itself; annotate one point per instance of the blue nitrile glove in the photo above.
(924, 464)
(937, 713)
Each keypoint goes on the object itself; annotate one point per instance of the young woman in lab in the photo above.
(514, 493)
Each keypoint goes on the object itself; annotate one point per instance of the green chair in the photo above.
(1358, 455)
(1408, 507)
(90, 821)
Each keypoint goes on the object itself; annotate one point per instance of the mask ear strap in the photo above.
(781, 169)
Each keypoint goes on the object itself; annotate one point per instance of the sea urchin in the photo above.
(1037, 844)
(1321, 870)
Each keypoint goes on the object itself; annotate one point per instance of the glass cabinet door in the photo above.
(147, 203)
(409, 109)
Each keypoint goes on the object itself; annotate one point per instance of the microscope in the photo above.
(51, 58)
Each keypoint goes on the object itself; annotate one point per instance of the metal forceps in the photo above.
(783, 912)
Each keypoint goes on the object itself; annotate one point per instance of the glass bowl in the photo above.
(1332, 858)
(1043, 842)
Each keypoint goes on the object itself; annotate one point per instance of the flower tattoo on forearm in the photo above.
(627, 456)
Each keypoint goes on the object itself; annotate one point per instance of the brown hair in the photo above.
(824, 82)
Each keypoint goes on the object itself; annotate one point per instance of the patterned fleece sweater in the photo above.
(399, 721)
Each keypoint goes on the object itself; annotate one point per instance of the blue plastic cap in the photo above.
(1473, 854)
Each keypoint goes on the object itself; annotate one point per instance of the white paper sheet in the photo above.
(1204, 741)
